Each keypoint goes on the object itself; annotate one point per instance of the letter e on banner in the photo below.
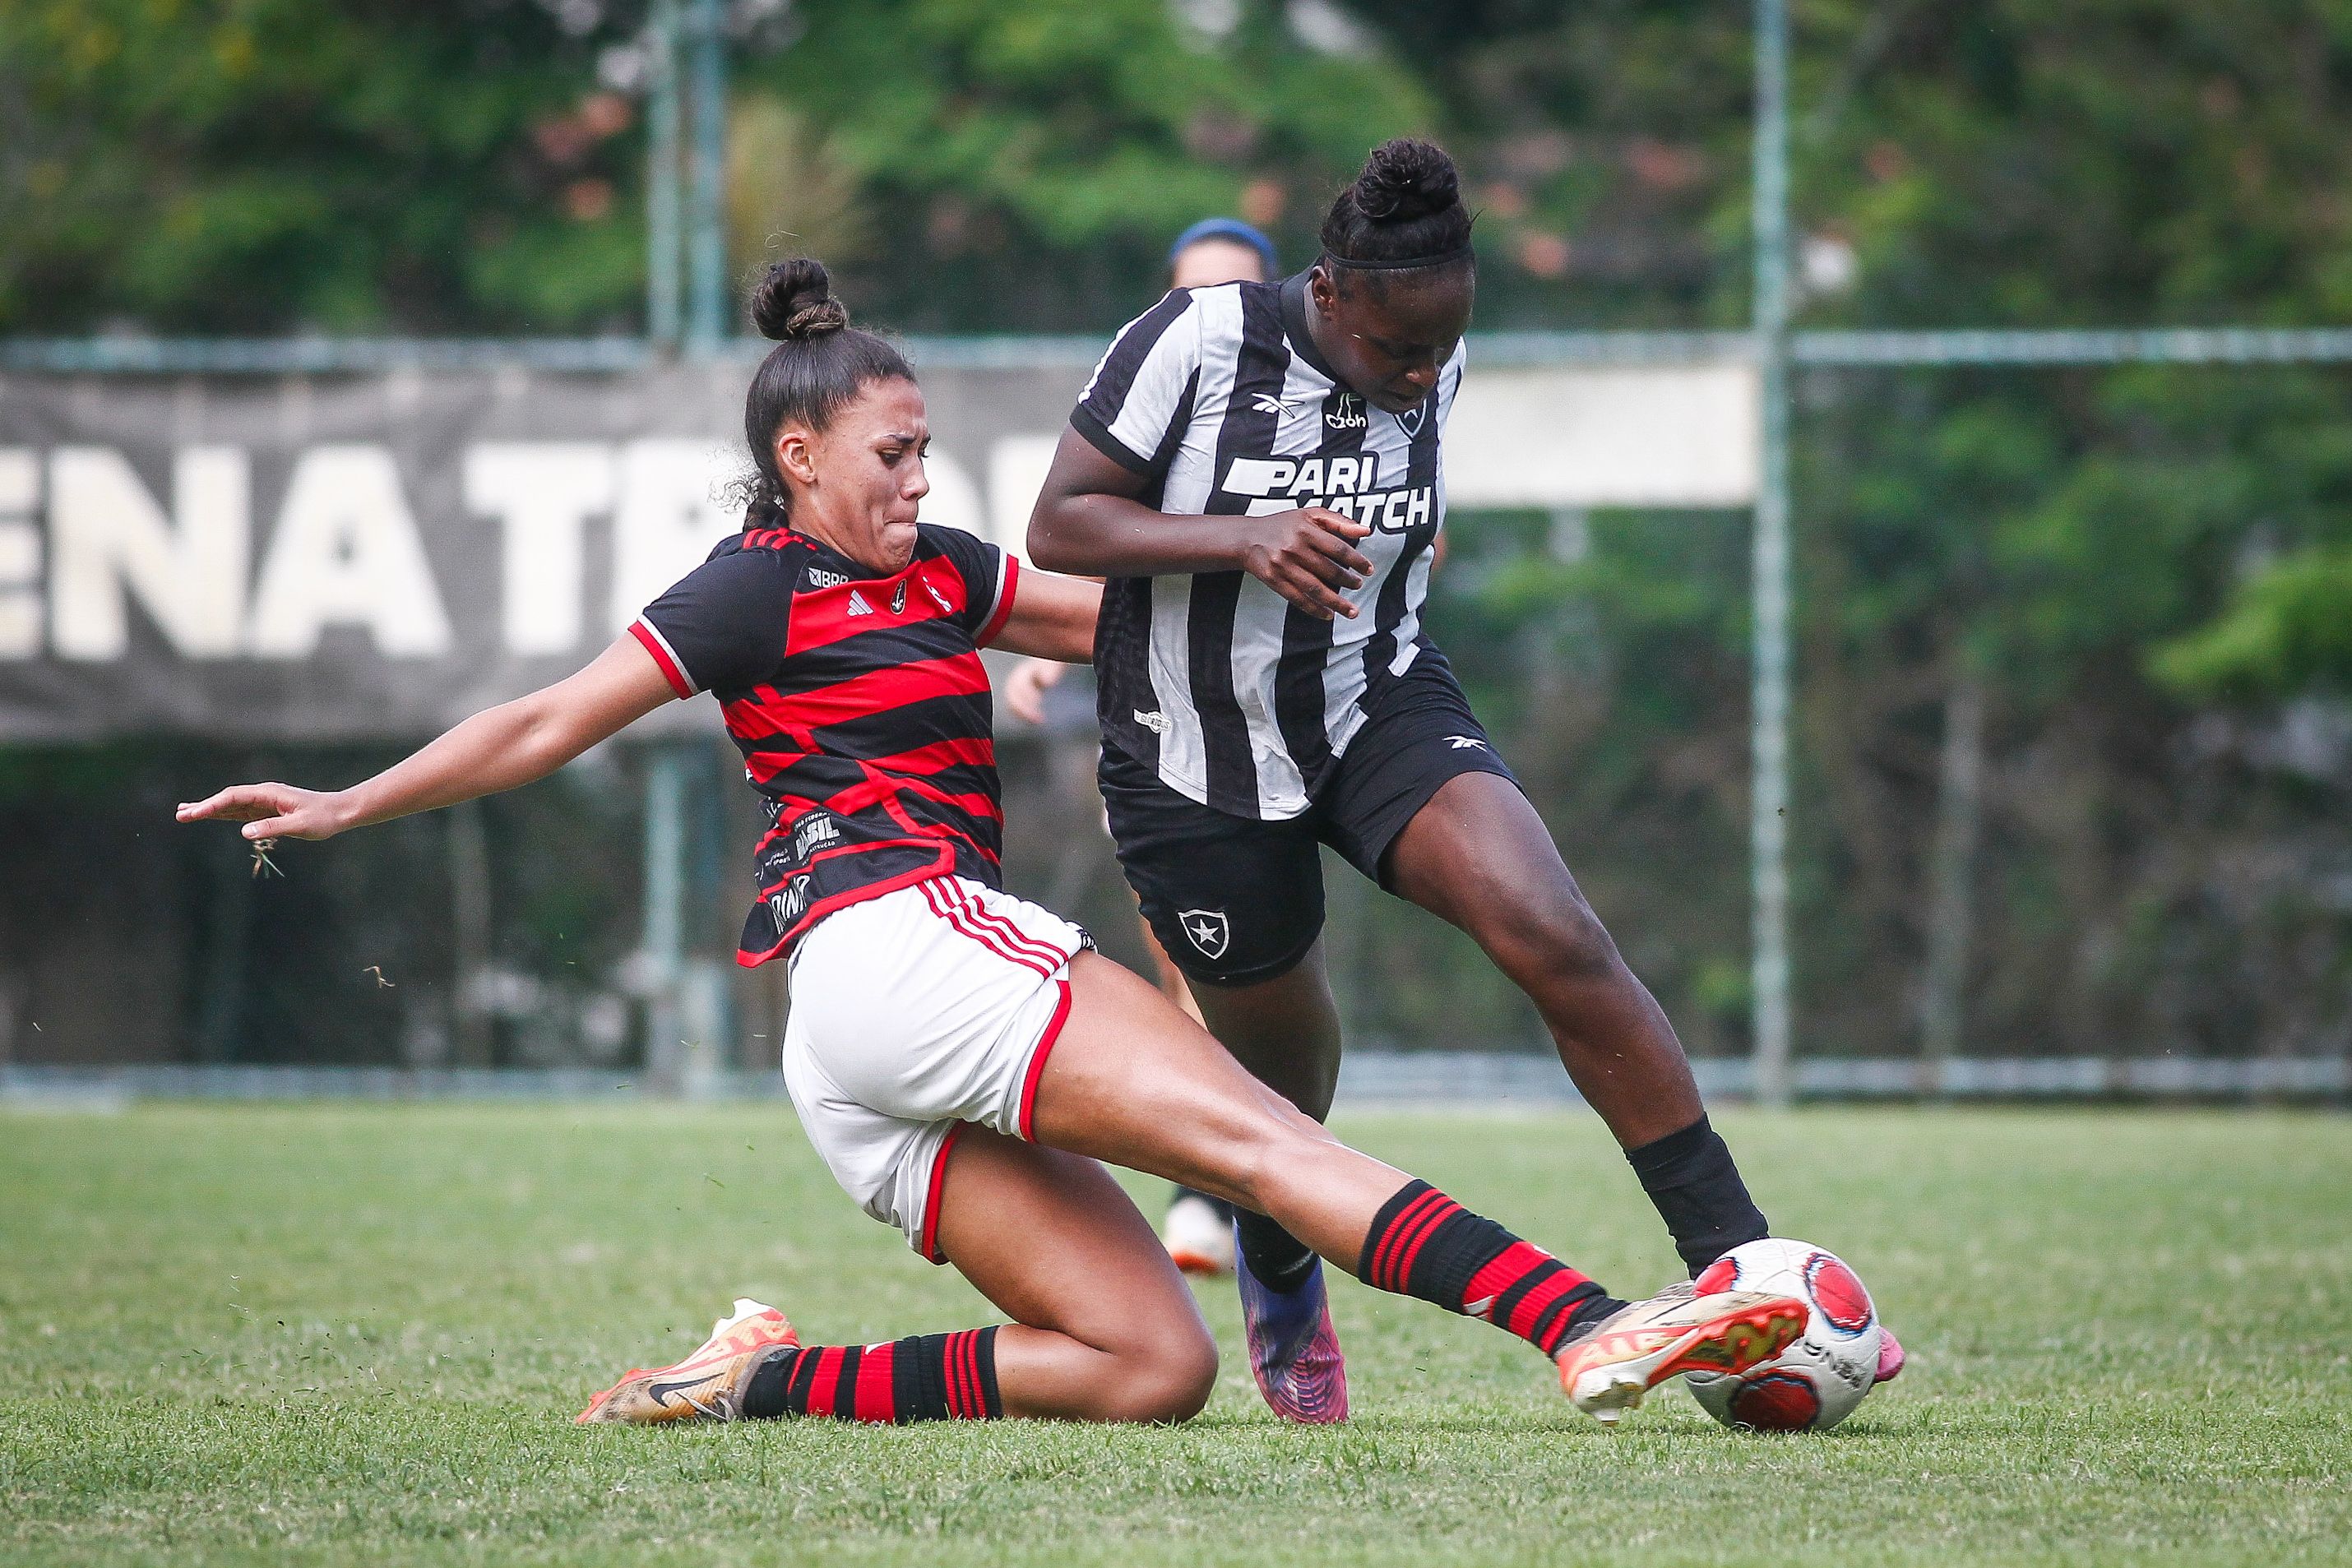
(109, 539)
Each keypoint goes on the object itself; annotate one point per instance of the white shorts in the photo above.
(912, 1014)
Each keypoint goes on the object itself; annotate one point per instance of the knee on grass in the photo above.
(1169, 1380)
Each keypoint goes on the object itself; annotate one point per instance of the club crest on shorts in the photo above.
(1208, 930)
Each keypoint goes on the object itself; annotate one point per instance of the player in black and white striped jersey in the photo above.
(1257, 469)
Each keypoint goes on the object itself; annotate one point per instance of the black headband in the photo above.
(1462, 252)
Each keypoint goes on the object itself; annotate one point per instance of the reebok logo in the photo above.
(1266, 402)
(1465, 742)
(857, 605)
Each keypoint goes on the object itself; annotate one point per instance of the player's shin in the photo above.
(1423, 1243)
(928, 1377)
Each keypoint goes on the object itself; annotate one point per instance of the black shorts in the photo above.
(1237, 900)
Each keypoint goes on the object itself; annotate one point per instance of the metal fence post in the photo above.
(705, 199)
(1769, 829)
(662, 279)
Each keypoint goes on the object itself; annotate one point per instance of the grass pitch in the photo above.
(358, 1334)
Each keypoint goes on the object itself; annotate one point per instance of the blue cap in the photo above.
(1228, 228)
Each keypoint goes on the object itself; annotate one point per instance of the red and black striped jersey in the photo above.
(860, 706)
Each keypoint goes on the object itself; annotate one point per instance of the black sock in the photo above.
(1280, 1261)
(931, 1377)
(1691, 1177)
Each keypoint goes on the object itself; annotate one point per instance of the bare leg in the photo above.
(1134, 1083)
(1104, 1327)
(1479, 857)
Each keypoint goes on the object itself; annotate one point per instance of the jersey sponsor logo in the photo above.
(1155, 721)
(790, 902)
(1266, 402)
(1296, 476)
(1348, 486)
(824, 578)
(1466, 743)
(816, 828)
(1344, 411)
(1208, 929)
(898, 599)
(857, 605)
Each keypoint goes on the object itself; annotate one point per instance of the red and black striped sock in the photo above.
(1425, 1244)
(929, 1377)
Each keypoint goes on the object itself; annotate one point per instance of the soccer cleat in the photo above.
(1293, 1350)
(707, 1386)
(1197, 1237)
(1606, 1371)
(1891, 1358)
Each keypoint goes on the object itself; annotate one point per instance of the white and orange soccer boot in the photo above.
(707, 1386)
(1606, 1371)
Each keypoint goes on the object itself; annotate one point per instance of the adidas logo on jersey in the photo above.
(857, 605)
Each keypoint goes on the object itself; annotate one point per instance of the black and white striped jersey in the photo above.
(1218, 396)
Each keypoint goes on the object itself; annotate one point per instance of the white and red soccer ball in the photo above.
(1815, 1383)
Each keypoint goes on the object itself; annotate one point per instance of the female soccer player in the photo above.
(1257, 469)
(960, 1058)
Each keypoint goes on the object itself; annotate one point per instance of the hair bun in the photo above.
(794, 301)
(1406, 179)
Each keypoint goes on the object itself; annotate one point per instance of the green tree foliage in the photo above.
(2148, 572)
(273, 165)
(1025, 166)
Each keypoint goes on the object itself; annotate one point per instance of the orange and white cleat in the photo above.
(707, 1386)
(1606, 1372)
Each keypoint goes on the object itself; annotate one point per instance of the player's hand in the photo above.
(1307, 555)
(272, 810)
(1026, 686)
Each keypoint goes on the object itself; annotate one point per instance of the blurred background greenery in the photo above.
(2119, 601)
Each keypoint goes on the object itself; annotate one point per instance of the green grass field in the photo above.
(358, 1334)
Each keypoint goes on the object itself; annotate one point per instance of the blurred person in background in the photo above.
(1199, 1229)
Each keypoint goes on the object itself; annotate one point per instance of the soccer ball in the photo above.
(1815, 1383)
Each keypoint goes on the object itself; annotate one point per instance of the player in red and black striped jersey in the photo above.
(859, 704)
(960, 1057)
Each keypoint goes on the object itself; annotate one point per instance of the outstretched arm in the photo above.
(497, 748)
(1087, 519)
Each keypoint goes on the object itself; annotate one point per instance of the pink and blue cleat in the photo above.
(1293, 1350)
